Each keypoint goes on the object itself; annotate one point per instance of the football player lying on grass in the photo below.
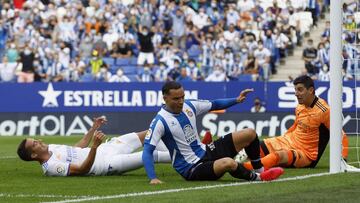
(113, 157)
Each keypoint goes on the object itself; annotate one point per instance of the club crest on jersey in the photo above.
(60, 169)
(148, 134)
(190, 134)
(189, 113)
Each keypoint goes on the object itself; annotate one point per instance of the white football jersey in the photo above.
(64, 155)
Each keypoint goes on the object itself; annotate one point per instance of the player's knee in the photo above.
(228, 164)
(248, 133)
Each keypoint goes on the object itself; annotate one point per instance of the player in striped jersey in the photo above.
(304, 143)
(175, 125)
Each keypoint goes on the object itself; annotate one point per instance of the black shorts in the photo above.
(204, 168)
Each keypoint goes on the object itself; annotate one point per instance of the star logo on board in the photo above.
(50, 96)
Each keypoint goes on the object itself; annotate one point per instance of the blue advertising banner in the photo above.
(147, 97)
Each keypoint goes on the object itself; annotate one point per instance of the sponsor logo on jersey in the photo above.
(148, 134)
(190, 134)
(189, 113)
(60, 169)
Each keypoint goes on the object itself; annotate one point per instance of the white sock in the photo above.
(161, 157)
(259, 170)
(161, 147)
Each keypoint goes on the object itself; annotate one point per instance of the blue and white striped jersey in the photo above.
(179, 134)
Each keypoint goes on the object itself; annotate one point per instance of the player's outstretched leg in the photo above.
(248, 139)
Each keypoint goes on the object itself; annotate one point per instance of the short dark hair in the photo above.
(170, 86)
(304, 79)
(24, 153)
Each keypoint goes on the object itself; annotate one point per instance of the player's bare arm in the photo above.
(86, 165)
(97, 123)
(243, 95)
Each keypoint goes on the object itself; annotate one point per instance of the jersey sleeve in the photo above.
(293, 127)
(326, 118)
(56, 168)
(199, 106)
(152, 138)
(155, 132)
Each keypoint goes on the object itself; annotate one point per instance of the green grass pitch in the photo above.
(24, 182)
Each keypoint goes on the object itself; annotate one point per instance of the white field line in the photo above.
(138, 194)
(8, 157)
(40, 196)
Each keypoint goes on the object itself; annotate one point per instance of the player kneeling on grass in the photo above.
(113, 157)
(175, 125)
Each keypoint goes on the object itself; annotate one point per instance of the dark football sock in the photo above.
(242, 173)
(253, 152)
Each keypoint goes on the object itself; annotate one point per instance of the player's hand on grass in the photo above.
(155, 181)
(243, 94)
(98, 138)
(98, 122)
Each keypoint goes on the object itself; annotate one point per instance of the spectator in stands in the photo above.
(311, 7)
(86, 47)
(146, 54)
(193, 71)
(161, 74)
(184, 77)
(326, 34)
(55, 70)
(26, 74)
(12, 53)
(309, 56)
(146, 75)
(281, 43)
(258, 106)
(263, 57)
(95, 62)
(323, 55)
(103, 75)
(40, 74)
(231, 34)
(7, 70)
(218, 75)
(324, 74)
(178, 29)
(251, 65)
(200, 20)
(123, 49)
(181, 25)
(174, 73)
(119, 77)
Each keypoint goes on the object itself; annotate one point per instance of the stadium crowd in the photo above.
(316, 57)
(156, 40)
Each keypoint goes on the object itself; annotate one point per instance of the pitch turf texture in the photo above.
(24, 182)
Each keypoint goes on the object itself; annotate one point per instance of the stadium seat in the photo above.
(133, 61)
(109, 61)
(123, 61)
(246, 77)
(113, 69)
(130, 69)
(194, 51)
(87, 77)
(132, 77)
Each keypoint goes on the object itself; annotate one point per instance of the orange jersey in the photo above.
(310, 123)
